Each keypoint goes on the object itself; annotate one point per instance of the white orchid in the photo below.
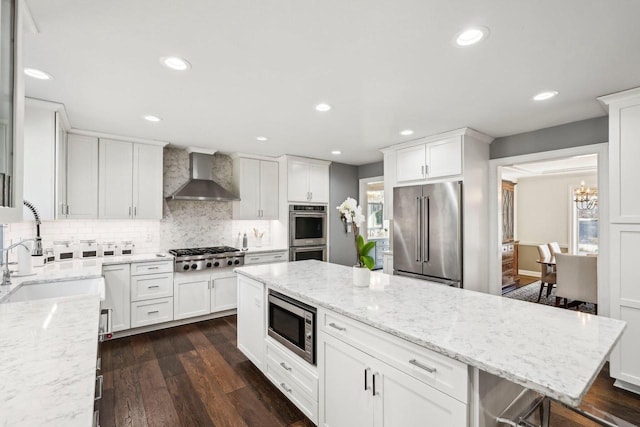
(351, 213)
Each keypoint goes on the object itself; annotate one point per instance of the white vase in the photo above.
(361, 276)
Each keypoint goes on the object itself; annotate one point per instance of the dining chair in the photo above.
(554, 247)
(577, 279)
(547, 273)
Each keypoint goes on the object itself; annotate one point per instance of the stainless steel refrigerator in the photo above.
(427, 232)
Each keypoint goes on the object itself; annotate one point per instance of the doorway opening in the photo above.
(375, 228)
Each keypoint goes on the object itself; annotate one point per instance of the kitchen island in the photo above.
(555, 352)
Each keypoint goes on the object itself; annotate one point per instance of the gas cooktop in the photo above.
(191, 259)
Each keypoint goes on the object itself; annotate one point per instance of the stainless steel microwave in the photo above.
(293, 324)
(307, 225)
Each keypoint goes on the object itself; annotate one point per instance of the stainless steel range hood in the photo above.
(201, 186)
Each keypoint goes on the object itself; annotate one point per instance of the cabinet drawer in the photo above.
(293, 392)
(439, 371)
(153, 267)
(150, 312)
(293, 370)
(265, 258)
(151, 286)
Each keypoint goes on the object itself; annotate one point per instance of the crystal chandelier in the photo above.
(586, 199)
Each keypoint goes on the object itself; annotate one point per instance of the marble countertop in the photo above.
(550, 350)
(48, 361)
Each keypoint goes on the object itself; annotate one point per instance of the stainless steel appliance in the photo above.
(203, 258)
(427, 232)
(201, 185)
(302, 253)
(293, 324)
(307, 225)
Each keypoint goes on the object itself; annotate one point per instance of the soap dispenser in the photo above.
(245, 245)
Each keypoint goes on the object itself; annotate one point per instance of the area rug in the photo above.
(530, 293)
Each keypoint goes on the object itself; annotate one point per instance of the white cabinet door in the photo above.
(318, 183)
(401, 400)
(118, 294)
(82, 177)
(410, 163)
(147, 181)
(249, 182)
(116, 179)
(191, 297)
(269, 189)
(347, 385)
(224, 293)
(444, 158)
(298, 180)
(251, 320)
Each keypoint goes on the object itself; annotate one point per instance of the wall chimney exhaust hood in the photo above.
(201, 185)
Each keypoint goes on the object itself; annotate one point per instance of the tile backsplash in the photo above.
(184, 223)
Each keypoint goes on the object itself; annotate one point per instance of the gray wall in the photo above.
(343, 183)
(370, 170)
(585, 132)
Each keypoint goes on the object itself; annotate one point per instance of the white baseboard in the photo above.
(627, 386)
(529, 273)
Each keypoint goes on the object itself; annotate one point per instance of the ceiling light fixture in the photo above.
(150, 118)
(37, 74)
(323, 107)
(545, 95)
(406, 132)
(336, 152)
(175, 63)
(471, 36)
(262, 138)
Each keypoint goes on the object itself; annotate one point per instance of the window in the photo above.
(585, 230)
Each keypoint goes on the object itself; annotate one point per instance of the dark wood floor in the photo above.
(194, 375)
(191, 375)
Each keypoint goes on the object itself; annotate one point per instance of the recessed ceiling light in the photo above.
(175, 63)
(323, 107)
(471, 36)
(37, 74)
(336, 152)
(545, 95)
(406, 132)
(262, 138)
(150, 118)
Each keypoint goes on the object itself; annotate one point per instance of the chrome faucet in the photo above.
(6, 273)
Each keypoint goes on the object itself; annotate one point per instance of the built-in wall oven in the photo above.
(302, 253)
(307, 225)
(293, 324)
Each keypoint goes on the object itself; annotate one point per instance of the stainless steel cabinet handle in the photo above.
(366, 378)
(284, 365)
(100, 381)
(109, 331)
(278, 256)
(68, 210)
(426, 169)
(99, 364)
(153, 268)
(153, 312)
(135, 211)
(153, 286)
(429, 369)
(284, 386)
(422, 170)
(96, 418)
(340, 328)
(311, 196)
(373, 393)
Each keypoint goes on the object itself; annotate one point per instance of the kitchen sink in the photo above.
(38, 291)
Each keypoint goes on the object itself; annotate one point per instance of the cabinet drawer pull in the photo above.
(340, 328)
(153, 268)
(284, 365)
(153, 312)
(429, 369)
(278, 256)
(284, 386)
(153, 286)
(100, 381)
(254, 259)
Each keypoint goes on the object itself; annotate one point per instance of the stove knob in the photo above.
(208, 265)
(186, 267)
(229, 262)
(194, 266)
(236, 262)
(216, 264)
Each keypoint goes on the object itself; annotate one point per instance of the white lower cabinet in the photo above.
(117, 295)
(224, 293)
(199, 294)
(150, 312)
(252, 320)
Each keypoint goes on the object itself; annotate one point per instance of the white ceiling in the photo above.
(568, 165)
(259, 67)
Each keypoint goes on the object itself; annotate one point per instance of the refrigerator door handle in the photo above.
(427, 231)
(419, 223)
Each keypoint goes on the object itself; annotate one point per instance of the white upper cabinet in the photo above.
(80, 177)
(307, 180)
(431, 160)
(257, 183)
(130, 180)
